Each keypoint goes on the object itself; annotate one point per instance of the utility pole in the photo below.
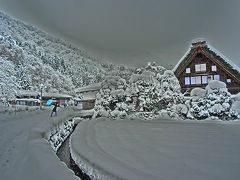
(41, 102)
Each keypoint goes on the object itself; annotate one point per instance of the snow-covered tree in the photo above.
(157, 88)
(23, 77)
(236, 104)
(144, 87)
(112, 100)
(214, 101)
(170, 90)
(8, 81)
(148, 90)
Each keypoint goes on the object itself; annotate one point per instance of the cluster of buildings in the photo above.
(33, 98)
(196, 68)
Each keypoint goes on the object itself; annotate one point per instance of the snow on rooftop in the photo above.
(234, 66)
(202, 41)
(45, 94)
(199, 40)
(89, 96)
(180, 61)
(56, 95)
(91, 87)
(28, 99)
(27, 93)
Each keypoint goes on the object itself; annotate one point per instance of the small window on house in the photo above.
(187, 81)
(229, 80)
(216, 77)
(204, 79)
(188, 70)
(197, 68)
(200, 67)
(203, 67)
(193, 80)
(214, 68)
(198, 80)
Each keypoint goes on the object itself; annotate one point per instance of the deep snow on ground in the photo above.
(129, 149)
(24, 152)
(160, 149)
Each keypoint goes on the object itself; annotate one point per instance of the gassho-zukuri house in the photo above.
(86, 96)
(203, 63)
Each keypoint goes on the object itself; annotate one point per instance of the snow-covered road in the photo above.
(161, 149)
(24, 153)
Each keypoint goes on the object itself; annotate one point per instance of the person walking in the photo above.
(54, 110)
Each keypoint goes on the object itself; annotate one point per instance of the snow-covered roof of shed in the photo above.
(56, 95)
(28, 99)
(201, 42)
(91, 87)
(21, 93)
(27, 93)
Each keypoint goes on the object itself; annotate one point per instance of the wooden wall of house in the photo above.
(88, 104)
(233, 86)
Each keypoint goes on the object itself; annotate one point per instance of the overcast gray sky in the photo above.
(133, 32)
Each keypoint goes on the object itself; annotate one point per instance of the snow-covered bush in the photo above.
(59, 134)
(155, 88)
(182, 109)
(148, 90)
(170, 91)
(144, 87)
(236, 104)
(215, 101)
(154, 91)
(216, 86)
(112, 100)
(198, 93)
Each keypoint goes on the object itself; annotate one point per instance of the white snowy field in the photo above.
(159, 149)
(24, 152)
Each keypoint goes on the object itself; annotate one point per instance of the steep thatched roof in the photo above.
(201, 46)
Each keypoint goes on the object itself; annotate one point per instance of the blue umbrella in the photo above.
(49, 102)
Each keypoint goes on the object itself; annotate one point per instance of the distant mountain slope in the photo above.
(40, 58)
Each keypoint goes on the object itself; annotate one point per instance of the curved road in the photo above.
(24, 153)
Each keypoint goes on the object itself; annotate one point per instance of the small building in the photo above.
(33, 98)
(203, 63)
(86, 96)
(27, 98)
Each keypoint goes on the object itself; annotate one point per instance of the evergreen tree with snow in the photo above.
(148, 90)
(215, 102)
(111, 100)
(157, 88)
(8, 81)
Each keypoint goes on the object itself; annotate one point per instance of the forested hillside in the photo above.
(37, 58)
